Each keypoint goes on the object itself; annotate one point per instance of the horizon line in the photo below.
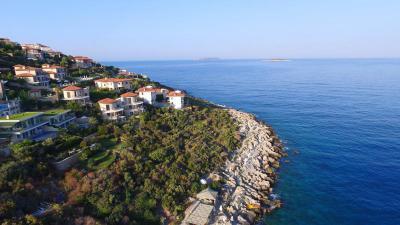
(215, 59)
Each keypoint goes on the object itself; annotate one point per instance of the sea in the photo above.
(339, 120)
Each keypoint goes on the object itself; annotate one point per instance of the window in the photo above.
(68, 94)
(107, 107)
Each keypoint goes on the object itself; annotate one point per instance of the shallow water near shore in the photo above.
(340, 120)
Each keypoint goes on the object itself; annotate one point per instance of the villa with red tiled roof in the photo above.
(115, 84)
(54, 72)
(83, 62)
(176, 99)
(119, 109)
(76, 94)
(151, 95)
(32, 75)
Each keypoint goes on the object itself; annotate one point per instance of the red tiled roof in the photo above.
(107, 101)
(129, 94)
(149, 89)
(112, 80)
(176, 94)
(81, 57)
(72, 88)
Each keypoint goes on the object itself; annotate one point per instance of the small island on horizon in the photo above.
(277, 60)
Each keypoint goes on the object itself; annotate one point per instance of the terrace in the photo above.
(22, 121)
(59, 117)
(21, 116)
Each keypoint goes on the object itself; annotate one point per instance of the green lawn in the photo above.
(54, 112)
(108, 143)
(21, 116)
(100, 160)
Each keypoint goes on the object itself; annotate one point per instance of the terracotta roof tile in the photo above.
(104, 80)
(176, 94)
(72, 88)
(150, 89)
(107, 101)
(129, 94)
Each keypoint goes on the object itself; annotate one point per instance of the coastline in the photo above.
(247, 176)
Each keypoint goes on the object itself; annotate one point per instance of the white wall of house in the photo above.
(110, 85)
(80, 96)
(111, 111)
(148, 97)
(177, 102)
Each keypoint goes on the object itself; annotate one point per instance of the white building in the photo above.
(76, 94)
(36, 51)
(152, 95)
(55, 72)
(121, 108)
(131, 104)
(176, 99)
(60, 118)
(9, 107)
(33, 51)
(115, 84)
(111, 109)
(83, 62)
(32, 75)
(26, 125)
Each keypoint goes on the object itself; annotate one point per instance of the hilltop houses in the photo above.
(9, 107)
(83, 62)
(131, 104)
(127, 74)
(36, 126)
(176, 99)
(37, 51)
(7, 41)
(32, 75)
(33, 52)
(76, 94)
(152, 95)
(26, 125)
(118, 109)
(55, 72)
(60, 118)
(115, 84)
(111, 109)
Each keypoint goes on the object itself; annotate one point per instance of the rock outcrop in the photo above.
(248, 174)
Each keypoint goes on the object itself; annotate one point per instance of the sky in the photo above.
(192, 29)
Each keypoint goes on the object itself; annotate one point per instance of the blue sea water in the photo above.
(342, 116)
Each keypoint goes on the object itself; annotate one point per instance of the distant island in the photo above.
(209, 59)
(277, 60)
(82, 143)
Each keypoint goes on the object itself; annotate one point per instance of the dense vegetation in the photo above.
(153, 163)
(136, 172)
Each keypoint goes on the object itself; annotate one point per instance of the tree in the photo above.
(64, 61)
(23, 149)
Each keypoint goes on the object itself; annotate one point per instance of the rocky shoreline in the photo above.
(248, 174)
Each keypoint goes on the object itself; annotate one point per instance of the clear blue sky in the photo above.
(190, 29)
